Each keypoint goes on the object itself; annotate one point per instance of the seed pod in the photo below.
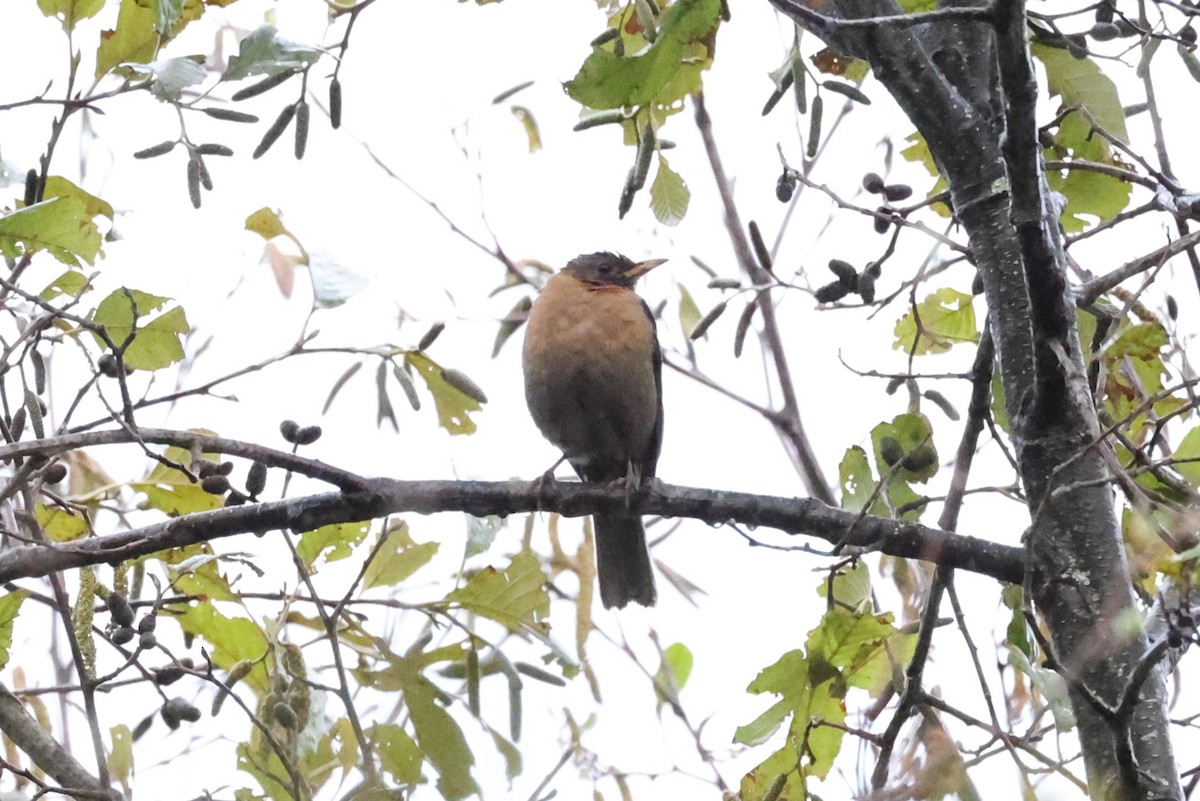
(845, 272)
(883, 223)
(1148, 51)
(176, 710)
(814, 127)
(760, 247)
(55, 473)
(890, 451)
(122, 635)
(602, 118)
(205, 178)
(895, 384)
(606, 37)
(31, 187)
(148, 622)
(308, 435)
(1190, 61)
(785, 83)
(897, 192)
(743, 326)
(873, 269)
(335, 102)
(977, 284)
(1187, 34)
(289, 428)
(256, 479)
(17, 426)
(205, 468)
(161, 149)
(107, 365)
(847, 90)
(120, 609)
(707, 320)
(785, 186)
(193, 181)
(1077, 45)
(919, 459)
(1105, 10)
(431, 335)
(798, 85)
(873, 183)
(276, 130)
(833, 291)
(235, 498)
(229, 115)
(215, 485)
(212, 149)
(147, 640)
(627, 193)
(940, 400)
(724, 283)
(1172, 307)
(302, 112)
(1105, 31)
(645, 151)
(284, 715)
(866, 288)
(406, 384)
(167, 675)
(464, 385)
(265, 85)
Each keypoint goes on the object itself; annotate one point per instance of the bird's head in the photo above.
(609, 268)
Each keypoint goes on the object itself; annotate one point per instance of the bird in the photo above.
(593, 383)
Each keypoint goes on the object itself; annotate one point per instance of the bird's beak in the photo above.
(643, 267)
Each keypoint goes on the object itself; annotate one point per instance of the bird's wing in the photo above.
(650, 459)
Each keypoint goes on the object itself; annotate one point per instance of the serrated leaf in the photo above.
(516, 597)
(69, 12)
(454, 406)
(133, 39)
(72, 283)
(333, 542)
(171, 76)
(947, 318)
(157, 340)
(10, 607)
(398, 559)
(264, 52)
(398, 753)
(60, 525)
(664, 73)
(267, 224)
(231, 639)
(669, 195)
(60, 226)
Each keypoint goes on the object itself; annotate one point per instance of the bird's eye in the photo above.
(605, 269)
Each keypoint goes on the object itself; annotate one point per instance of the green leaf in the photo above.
(232, 639)
(689, 312)
(61, 226)
(399, 755)
(171, 491)
(120, 759)
(1189, 449)
(914, 435)
(10, 607)
(134, 39)
(69, 12)
(1079, 82)
(855, 479)
(529, 123)
(60, 524)
(669, 195)
(157, 340)
(918, 152)
(264, 52)
(398, 558)
(171, 76)
(267, 224)
(454, 406)
(674, 670)
(666, 72)
(167, 14)
(335, 541)
(516, 597)
(442, 741)
(947, 318)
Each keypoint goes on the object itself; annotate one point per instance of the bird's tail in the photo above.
(622, 561)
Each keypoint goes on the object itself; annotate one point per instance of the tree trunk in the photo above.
(946, 75)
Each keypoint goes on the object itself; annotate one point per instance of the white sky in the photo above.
(415, 72)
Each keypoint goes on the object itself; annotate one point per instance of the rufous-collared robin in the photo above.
(593, 381)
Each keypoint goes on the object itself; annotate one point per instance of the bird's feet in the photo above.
(539, 484)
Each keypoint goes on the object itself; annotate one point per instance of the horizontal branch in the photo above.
(379, 497)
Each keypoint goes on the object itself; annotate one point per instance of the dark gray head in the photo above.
(609, 268)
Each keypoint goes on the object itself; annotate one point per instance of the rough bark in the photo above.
(957, 87)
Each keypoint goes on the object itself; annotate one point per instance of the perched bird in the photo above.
(593, 382)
